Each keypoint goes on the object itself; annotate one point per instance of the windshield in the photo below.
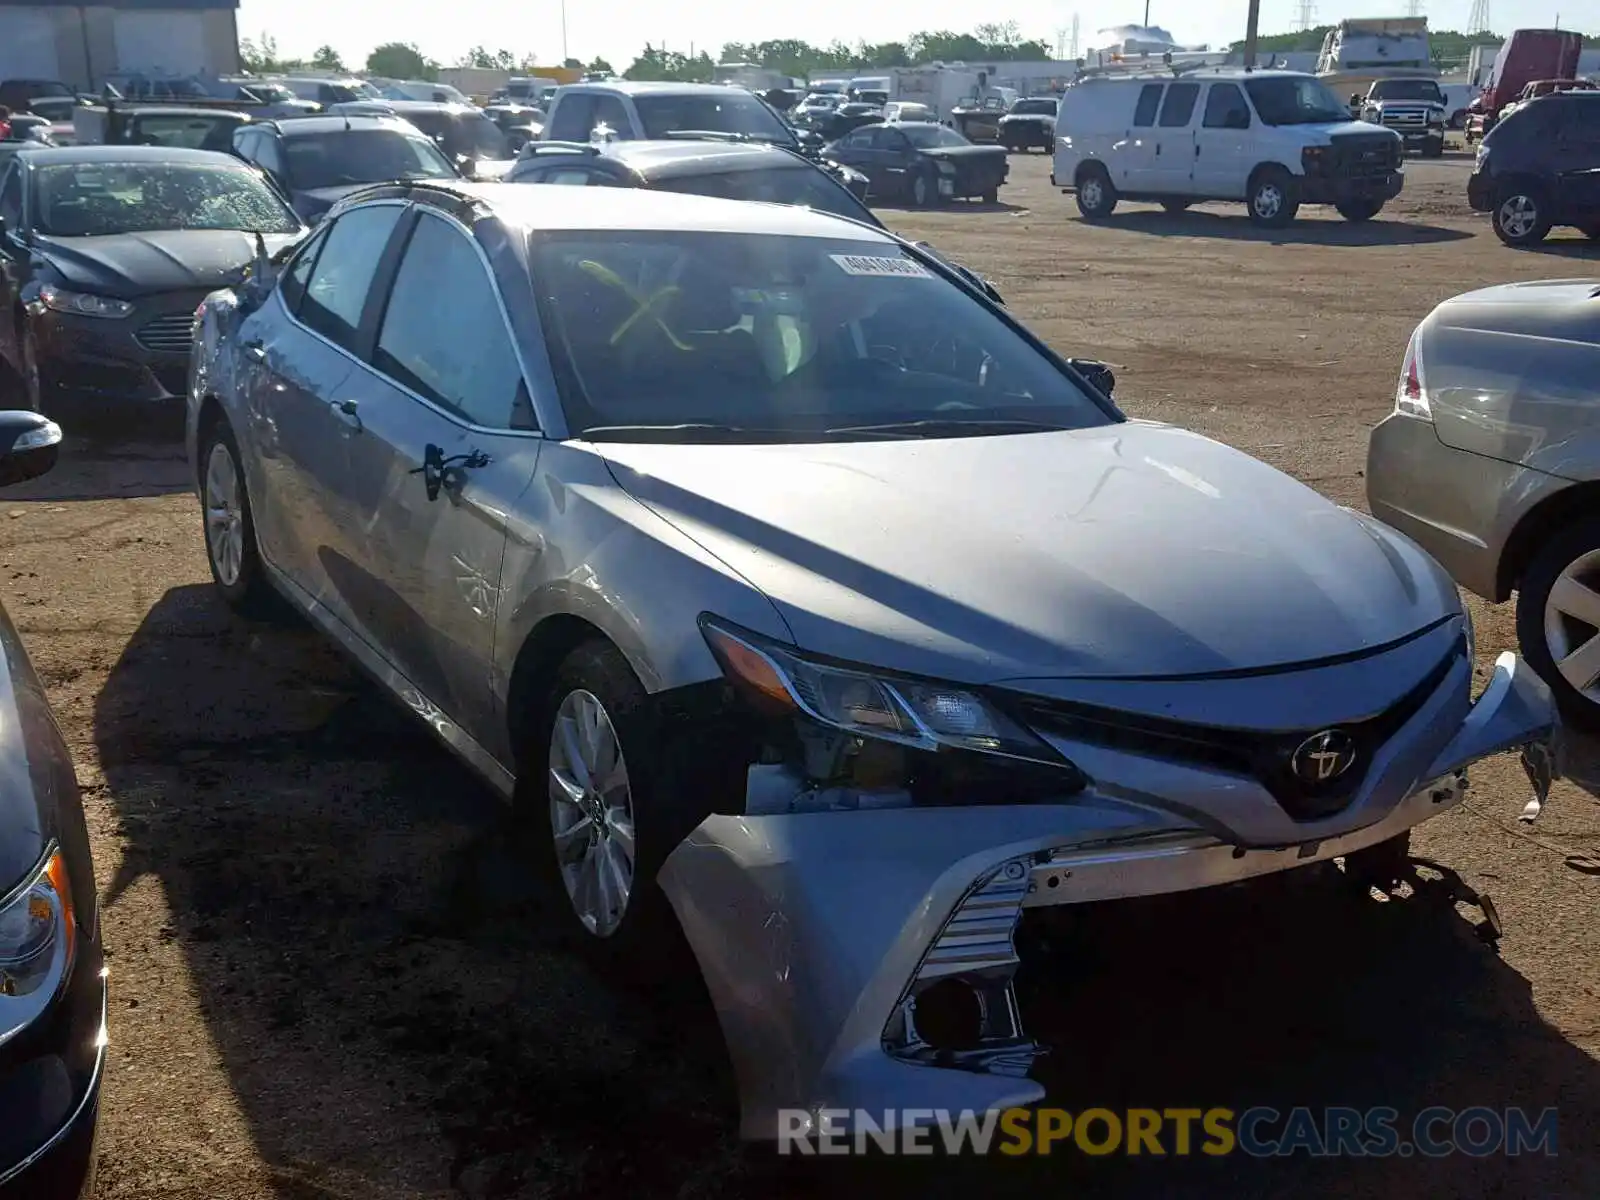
(272, 93)
(755, 337)
(931, 137)
(734, 112)
(192, 133)
(94, 199)
(1407, 89)
(466, 135)
(345, 156)
(1024, 107)
(1295, 100)
(800, 184)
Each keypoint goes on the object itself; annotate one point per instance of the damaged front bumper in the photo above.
(818, 933)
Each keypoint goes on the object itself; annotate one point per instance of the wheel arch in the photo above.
(1536, 527)
(1267, 165)
(1087, 167)
(534, 669)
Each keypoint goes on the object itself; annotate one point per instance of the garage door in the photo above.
(28, 45)
(160, 41)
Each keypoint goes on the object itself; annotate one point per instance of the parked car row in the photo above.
(643, 426)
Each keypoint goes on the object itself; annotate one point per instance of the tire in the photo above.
(1521, 215)
(631, 826)
(992, 196)
(229, 528)
(1547, 633)
(1176, 206)
(1434, 149)
(1097, 198)
(1357, 211)
(1273, 198)
(1381, 866)
(924, 190)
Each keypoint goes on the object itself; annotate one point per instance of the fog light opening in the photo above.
(949, 1015)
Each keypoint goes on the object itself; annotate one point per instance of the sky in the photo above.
(617, 30)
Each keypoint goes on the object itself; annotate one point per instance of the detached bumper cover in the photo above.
(816, 931)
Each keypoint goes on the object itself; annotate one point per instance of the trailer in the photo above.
(940, 87)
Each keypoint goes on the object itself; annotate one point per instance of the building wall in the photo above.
(86, 40)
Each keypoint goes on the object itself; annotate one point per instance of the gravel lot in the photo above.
(327, 979)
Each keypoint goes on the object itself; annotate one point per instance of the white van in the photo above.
(1273, 139)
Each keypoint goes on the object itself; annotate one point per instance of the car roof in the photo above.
(674, 157)
(420, 106)
(630, 87)
(295, 126)
(172, 155)
(624, 209)
(173, 110)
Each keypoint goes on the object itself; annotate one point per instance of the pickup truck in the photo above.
(157, 125)
(1414, 108)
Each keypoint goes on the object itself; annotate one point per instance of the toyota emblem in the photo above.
(1323, 757)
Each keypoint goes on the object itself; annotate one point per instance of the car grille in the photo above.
(169, 333)
(1358, 156)
(1406, 119)
(1263, 756)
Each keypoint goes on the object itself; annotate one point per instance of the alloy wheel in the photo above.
(591, 813)
(1518, 216)
(1572, 625)
(224, 515)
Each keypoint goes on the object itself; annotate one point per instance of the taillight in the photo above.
(1411, 396)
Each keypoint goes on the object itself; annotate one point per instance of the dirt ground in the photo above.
(327, 977)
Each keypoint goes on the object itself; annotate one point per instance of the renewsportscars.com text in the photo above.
(1258, 1132)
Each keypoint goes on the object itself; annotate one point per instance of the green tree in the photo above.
(401, 60)
(601, 67)
(573, 64)
(658, 64)
(259, 55)
(493, 60)
(327, 58)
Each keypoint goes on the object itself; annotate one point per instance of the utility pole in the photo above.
(1251, 34)
(1147, 14)
(564, 32)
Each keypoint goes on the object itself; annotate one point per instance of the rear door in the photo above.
(1133, 159)
(445, 444)
(1222, 143)
(297, 353)
(1575, 141)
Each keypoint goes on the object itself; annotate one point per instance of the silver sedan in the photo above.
(808, 600)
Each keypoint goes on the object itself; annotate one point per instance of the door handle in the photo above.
(348, 413)
(254, 350)
(1197, 149)
(438, 472)
(1158, 149)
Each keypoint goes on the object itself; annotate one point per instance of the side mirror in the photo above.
(29, 444)
(1097, 374)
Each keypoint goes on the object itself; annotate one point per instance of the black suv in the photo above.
(1540, 166)
(731, 170)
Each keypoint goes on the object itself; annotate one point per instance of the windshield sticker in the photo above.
(893, 268)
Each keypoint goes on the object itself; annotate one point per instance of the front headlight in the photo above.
(1435, 117)
(82, 304)
(923, 714)
(37, 943)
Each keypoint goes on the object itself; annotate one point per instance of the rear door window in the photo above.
(336, 292)
(1149, 100)
(1179, 105)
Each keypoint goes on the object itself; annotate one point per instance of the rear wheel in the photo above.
(1434, 149)
(992, 196)
(229, 527)
(1521, 215)
(924, 189)
(1273, 198)
(1359, 210)
(1096, 197)
(1558, 618)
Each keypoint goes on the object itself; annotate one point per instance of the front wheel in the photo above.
(230, 528)
(1434, 149)
(600, 774)
(923, 190)
(1558, 618)
(992, 196)
(1520, 216)
(1096, 197)
(1273, 199)
(1357, 211)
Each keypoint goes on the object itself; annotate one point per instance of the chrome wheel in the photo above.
(1092, 192)
(591, 813)
(1572, 625)
(224, 515)
(1267, 202)
(1518, 216)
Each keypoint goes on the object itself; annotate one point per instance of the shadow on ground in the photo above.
(1232, 223)
(394, 1018)
(112, 464)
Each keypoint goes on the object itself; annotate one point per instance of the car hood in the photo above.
(313, 202)
(492, 169)
(130, 265)
(1129, 550)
